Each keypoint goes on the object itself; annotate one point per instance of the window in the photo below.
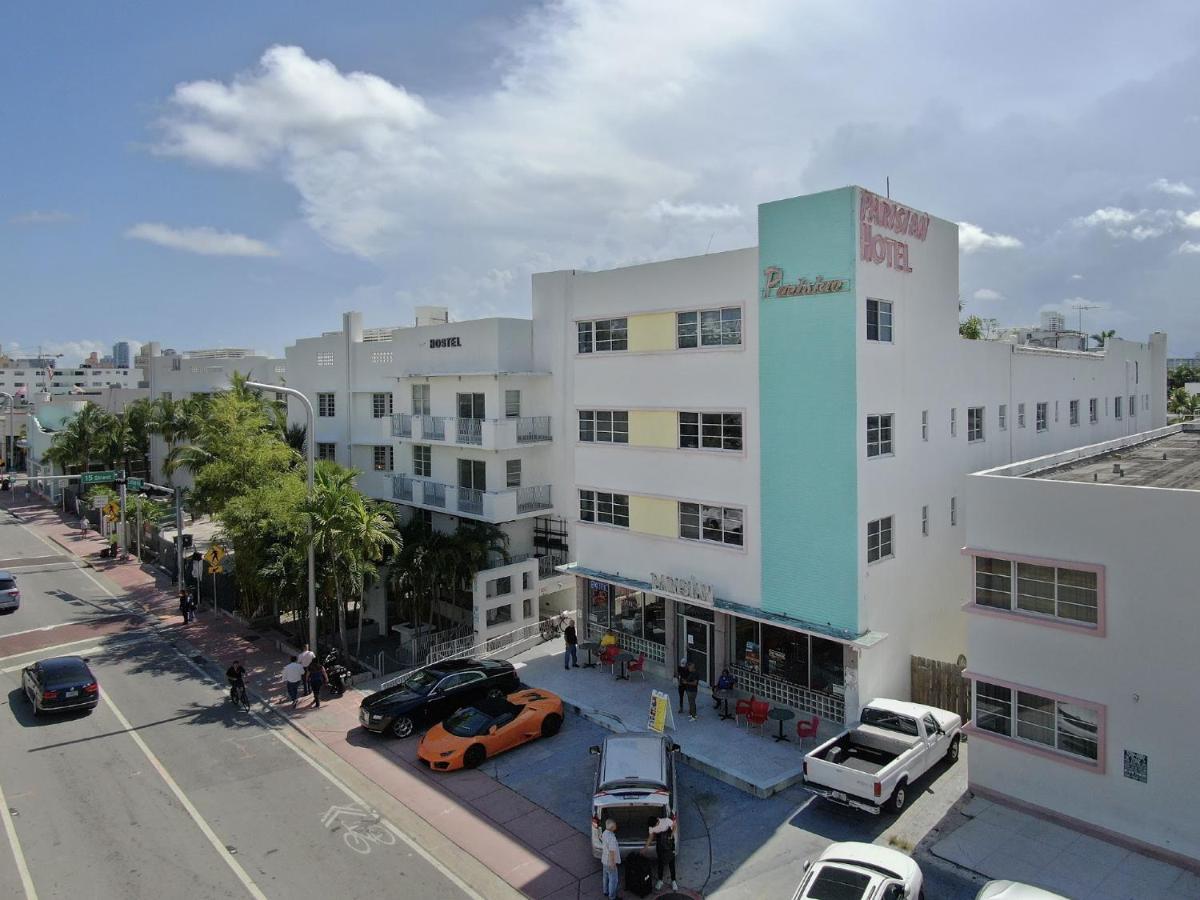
(715, 524)
(527, 603)
(925, 521)
(708, 328)
(280, 370)
(381, 405)
(381, 357)
(953, 421)
(1117, 406)
(605, 426)
(879, 435)
(280, 397)
(710, 431)
(1055, 410)
(499, 615)
(512, 473)
(383, 458)
(1003, 418)
(498, 587)
(879, 539)
(953, 511)
(879, 320)
(512, 404)
(1020, 415)
(1073, 412)
(327, 451)
(810, 662)
(1070, 728)
(420, 399)
(1093, 411)
(1045, 590)
(470, 406)
(974, 423)
(585, 337)
(603, 335)
(1041, 417)
(608, 509)
(325, 358)
(924, 424)
(422, 460)
(472, 474)
(1132, 406)
(326, 407)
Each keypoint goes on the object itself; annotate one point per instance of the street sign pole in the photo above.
(139, 529)
(179, 539)
(123, 537)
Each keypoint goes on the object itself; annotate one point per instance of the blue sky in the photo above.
(241, 177)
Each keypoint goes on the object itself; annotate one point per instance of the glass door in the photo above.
(695, 643)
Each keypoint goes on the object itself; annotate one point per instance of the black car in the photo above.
(426, 696)
(60, 684)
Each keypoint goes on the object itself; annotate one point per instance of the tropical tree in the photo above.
(1102, 338)
(81, 440)
(296, 437)
(971, 328)
(1183, 403)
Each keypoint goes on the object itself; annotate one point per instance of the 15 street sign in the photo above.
(97, 477)
(135, 484)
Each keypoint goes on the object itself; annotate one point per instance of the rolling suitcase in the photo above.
(639, 873)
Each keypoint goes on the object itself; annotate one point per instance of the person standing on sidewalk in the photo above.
(680, 674)
(316, 680)
(306, 659)
(571, 658)
(610, 860)
(690, 682)
(184, 606)
(662, 836)
(293, 676)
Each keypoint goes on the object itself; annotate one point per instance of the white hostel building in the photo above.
(1082, 619)
(764, 452)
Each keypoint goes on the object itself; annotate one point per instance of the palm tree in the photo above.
(1102, 338)
(296, 437)
(81, 439)
(371, 533)
(1183, 403)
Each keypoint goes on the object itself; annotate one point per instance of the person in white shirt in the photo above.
(663, 837)
(610, 860)
(306, 658)
(293, 675)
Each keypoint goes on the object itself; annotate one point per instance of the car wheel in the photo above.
(899, 797)
(952, 750)
(474, 756)
(495, 693)
(551, 724)
(401, 727)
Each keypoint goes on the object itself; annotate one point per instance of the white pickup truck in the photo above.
(872, 764)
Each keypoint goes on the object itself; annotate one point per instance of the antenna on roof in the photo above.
(1081, 307)
(888, 182)
(710, 240)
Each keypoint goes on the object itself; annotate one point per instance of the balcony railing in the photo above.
(491, 506)
(433, 428)
(490, 434)
(533, 428)
(547, 564)
(470, 501)
(468, 431)
(434, 494)
(402, 488)
(533, 498)
(402, 425)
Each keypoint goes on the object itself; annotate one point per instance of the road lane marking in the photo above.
(116, 645)
(13, 634)
(204, 827)
(11, 831)
(20, 666)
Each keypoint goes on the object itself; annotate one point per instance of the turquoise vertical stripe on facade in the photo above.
(808, 412)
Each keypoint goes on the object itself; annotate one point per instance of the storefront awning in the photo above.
(862, 641)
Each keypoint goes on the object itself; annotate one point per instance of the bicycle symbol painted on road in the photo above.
(362, 828)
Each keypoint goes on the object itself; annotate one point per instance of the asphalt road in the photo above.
(167, 790)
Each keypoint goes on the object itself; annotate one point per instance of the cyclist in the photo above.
(236, 676)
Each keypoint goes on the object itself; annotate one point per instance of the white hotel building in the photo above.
(766, 450)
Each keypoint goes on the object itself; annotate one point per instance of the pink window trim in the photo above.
(1099, 766)
(1100, 629)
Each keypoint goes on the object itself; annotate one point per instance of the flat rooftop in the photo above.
(1171, 461)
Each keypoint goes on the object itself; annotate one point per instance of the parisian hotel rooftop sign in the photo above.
(874, 212)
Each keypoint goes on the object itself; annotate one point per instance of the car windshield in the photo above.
(889, 721)
(836, 883)
(468, 722)
(421, 682)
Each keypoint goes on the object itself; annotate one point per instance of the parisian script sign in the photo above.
(683, 587)
(776, 287)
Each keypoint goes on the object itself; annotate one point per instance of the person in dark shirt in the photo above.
(571, 658)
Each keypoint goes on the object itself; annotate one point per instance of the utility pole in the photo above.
(178, 536)
(123, 536)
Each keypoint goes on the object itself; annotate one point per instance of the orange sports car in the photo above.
(487, 729)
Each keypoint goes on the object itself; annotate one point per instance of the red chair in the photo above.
(807, 729)
(638, 665)
(608, 656)
(758, 714)
(742, 708)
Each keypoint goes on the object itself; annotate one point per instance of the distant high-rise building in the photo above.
(122, 354)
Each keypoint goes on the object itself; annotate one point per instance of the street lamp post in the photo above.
(310, 444)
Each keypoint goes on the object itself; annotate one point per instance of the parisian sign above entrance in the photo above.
(682, 587)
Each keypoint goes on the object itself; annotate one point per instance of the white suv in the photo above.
(10, 594)
(635, 779)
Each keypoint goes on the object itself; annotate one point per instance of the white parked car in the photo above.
(871, 765)
(1014, 890)
(856, 871)
(635, 779)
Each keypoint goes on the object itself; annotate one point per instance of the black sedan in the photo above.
(60, 684)
(426, 696)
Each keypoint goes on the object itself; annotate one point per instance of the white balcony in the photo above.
(488, 506)
(487, 434)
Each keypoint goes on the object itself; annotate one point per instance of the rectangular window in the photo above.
(325, 358)
(993, 582)
(499, 587)
(587, 506)
(1093, 411)
(879, 539)
(1055, 410)
(472, 474)
(527, 603)
(715, 524)
(974, 423)
(1073, 412)
(585, 337)
(687, 330)
(1118, 406)
(420, 399)
(381, 405)
(587, 425)
(512, 473)
(500, 615)
(1003, 419)
(1020, 415)
(470, 406)
(326, 406)
(879, 435)
(953, 511)
(1042, 410)
(280, 397)
(710, 431)
(327, 451)
(953, 421)
(1132, 406)
(607, 509)
(879, 320)
(1047, 590)
(1070, 728)
(422, 460)
(924, 424)
(925, 521)
(604, 426)
(381, 357)
(512, 404)
(708, 328)
(383, 458)
(611, 335)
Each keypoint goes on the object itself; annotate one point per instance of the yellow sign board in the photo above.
(214, 570)
(111, 511)
(214, 556)
(660, 712)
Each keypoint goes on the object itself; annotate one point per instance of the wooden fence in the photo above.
(941, 684)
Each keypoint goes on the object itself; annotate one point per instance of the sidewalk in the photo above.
(532, 850)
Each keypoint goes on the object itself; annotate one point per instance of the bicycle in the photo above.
(237, 693)
(360, 837)
(551, 628)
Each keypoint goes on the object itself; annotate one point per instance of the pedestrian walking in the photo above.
(680, 674)
(571, 658)
(610, 860)
(306, 658)
(725, 683)
(691, 684)
(293, 677)
(184, 606)
(662, 836)
(192, 605)
(316, 679)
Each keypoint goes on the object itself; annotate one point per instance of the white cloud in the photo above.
(1189, 220)
(73, 352)
(204, 240)
(41, 217)
(1138, 225)
(1171, 188)
(972, 238)
(987, 295)
(696, 212)
(1076, 277)
(1188, 247)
